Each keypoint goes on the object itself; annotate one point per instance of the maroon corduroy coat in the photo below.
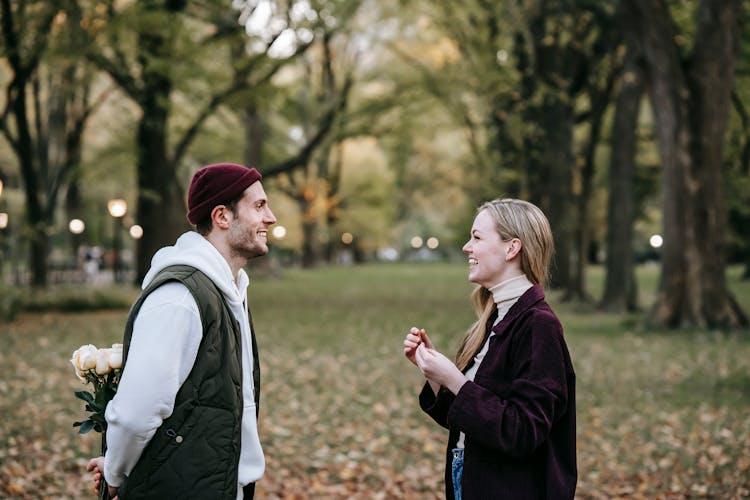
(519, 412)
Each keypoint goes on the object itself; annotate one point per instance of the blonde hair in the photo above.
(513, 219)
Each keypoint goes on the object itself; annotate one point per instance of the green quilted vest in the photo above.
(195, 452)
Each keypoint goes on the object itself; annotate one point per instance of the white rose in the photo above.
(115, 356)
(102, 362)
(81, 375)
(84, 358)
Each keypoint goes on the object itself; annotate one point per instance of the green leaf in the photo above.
(86, 427)
(85, 395)
(93, 408)
(97, 417)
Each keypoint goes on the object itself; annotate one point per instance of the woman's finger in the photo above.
(419, 356)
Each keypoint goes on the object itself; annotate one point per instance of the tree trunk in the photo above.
(744, 169)
(331, 164)
(161, 204)
(306, 196)
(254, 137)
(549, 174)
(691, 107)
(22, 143)
(599, 98)
(550, 75)
(620, 292)
(36, 224)
(161, 208)
(310, 253)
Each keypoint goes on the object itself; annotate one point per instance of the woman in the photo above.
(509, 400)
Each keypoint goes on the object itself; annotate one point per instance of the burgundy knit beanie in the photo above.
(215, 185)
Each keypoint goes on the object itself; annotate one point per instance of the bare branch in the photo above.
(303, 156)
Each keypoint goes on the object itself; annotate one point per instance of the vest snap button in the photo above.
(178, 439)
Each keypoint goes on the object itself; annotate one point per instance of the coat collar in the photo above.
(525, 302)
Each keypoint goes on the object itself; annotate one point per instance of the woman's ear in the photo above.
(514, 246)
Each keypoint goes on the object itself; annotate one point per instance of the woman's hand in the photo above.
(414, 338)
(438, 369)
(96, 465)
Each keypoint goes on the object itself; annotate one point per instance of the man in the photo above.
(184, 420)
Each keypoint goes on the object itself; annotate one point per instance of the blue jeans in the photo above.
(457, 470)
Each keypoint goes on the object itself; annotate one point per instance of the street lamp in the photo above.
(136, 232)
(656, 241)
(3, 227)
(117, 209)
(76, 227)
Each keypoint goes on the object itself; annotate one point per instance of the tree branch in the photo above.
(121, 77)
(303, 156)
(216, 100)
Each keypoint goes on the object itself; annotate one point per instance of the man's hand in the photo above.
(96, 465)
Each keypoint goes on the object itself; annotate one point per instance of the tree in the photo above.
(738, 156)
(738, 183)
(320, 109)
(565, 55)
(525, 72)
(690, 91)
(327, 103)
(157, 50)
(620, 291)
(48, 100)
(605, 68)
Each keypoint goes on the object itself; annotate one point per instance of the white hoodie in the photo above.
(166, 335)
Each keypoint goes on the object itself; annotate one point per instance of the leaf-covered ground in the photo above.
(660, 415)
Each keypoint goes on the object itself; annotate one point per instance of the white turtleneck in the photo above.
(505, 294)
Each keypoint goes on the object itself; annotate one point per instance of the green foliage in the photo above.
(78, 299)
(14, 301)
(11, 303)
(366, 192)
(104, 390)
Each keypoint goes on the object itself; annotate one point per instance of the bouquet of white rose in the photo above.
(102, 369)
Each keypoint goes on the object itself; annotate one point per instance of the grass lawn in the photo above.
(660, 414)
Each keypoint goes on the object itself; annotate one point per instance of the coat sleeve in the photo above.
(517, 420)
(436, 406)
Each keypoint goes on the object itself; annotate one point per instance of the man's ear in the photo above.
(513, 248)
(220, 216)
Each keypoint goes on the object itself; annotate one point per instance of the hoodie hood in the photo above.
(192, 249)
